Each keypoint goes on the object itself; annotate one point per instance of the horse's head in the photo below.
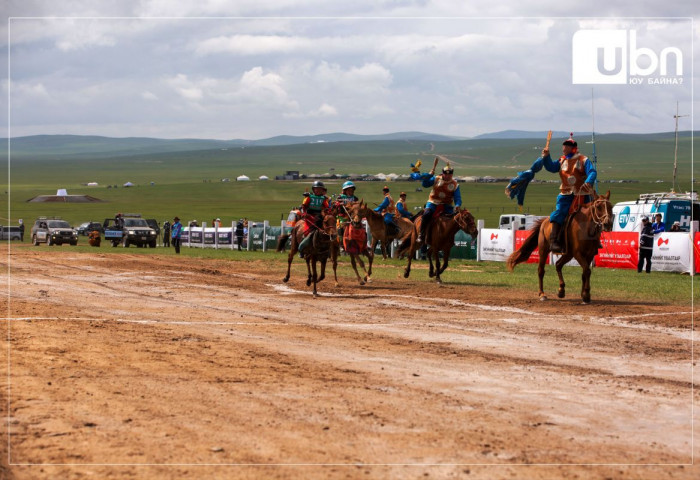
(329, 226)
(466, 222)
(601, 211)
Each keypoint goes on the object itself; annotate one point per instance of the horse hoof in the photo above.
(405, 275)
(315, 295)
(586, 302)
(362, 282)
(285, 279)
(561, 294)
(337, 284)
(368, 280)
(543, 298)
(308, 283)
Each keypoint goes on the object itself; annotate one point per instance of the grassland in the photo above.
(188, 183)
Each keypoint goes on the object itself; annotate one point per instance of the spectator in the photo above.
(676, 227)
(658, 226)
(166, 233)
(239, 233)
(176, 234)
(21, 230)
(646, 245)
(119, 220)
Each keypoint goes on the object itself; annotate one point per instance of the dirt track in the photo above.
(126, 366)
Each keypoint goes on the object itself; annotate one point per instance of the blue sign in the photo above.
(624, 217)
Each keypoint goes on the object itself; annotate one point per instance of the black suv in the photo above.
(87, 227)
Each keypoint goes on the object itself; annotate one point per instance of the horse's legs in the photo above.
(292, 252)
(445, 261)
(308, 269)
(585, 278)
(560, 264)
(335, 250)
(540, 271)
(370, 256)
(313, 266)
(323, 269)
(354, 267)
(429, 254)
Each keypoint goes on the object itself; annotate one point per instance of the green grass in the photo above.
(617, 285)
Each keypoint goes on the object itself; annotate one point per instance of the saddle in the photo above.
(354, 239)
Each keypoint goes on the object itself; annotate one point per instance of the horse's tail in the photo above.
(282, 241)
(523, 253)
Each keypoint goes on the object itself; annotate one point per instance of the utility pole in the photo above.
(675, 152)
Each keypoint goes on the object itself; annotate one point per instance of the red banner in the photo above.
(696, 251)
(620, 250)
(520, 236)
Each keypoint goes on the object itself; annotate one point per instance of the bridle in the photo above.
(600, 219)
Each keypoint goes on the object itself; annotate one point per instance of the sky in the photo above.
(256, 69)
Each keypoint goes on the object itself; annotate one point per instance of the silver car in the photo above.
(53, 231)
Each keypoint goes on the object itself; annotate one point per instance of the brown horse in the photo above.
(581, 237)
(379, 229)
(355, 243)
(319, 249)
(441, 233)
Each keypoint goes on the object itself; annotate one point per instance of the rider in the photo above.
(445, 191)
(388, 209)
(578, 175)
(313, 206)
(348, 196)
(401, 206)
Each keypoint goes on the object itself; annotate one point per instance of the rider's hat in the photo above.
(318, 184)
(348, 184)
(177, 219)
(402, 194)
(570, 141)
(385, 189)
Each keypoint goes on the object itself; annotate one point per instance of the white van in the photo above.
(673, 207)
(517, 221)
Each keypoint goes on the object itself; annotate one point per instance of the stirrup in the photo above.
(555, 247)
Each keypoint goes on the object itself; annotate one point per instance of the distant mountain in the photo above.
(93, 147)
(60, 146)
(517, 134)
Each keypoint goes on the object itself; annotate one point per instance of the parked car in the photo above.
(135, 232)
(10, 233)
(53, 231)
(87, 227)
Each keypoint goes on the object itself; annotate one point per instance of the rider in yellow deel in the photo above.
(445, 191)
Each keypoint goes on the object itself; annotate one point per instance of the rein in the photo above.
(599, 220)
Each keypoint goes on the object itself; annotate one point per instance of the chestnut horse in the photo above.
(378, 228)
(441, 234)
(581, 237)
(355, 242)
(319, 248)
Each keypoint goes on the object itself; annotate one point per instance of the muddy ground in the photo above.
(130, 366)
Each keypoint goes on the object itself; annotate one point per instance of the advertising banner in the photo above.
(495, 244)
(672, 252)
(209, 236)
(620, 250)
(225, 236)
(696, 243)
(520, 236)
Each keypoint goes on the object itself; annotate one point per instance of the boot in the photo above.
(554, 244)
(303, 245)
(424, 226)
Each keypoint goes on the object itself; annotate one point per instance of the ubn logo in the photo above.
(603, 56)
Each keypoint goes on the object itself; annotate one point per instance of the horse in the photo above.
(379, 229)
(441, 235)
(581, 237)
(319, 249)
(355, 243)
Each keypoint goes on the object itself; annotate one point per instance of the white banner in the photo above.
(672, 252)
(495, 244)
